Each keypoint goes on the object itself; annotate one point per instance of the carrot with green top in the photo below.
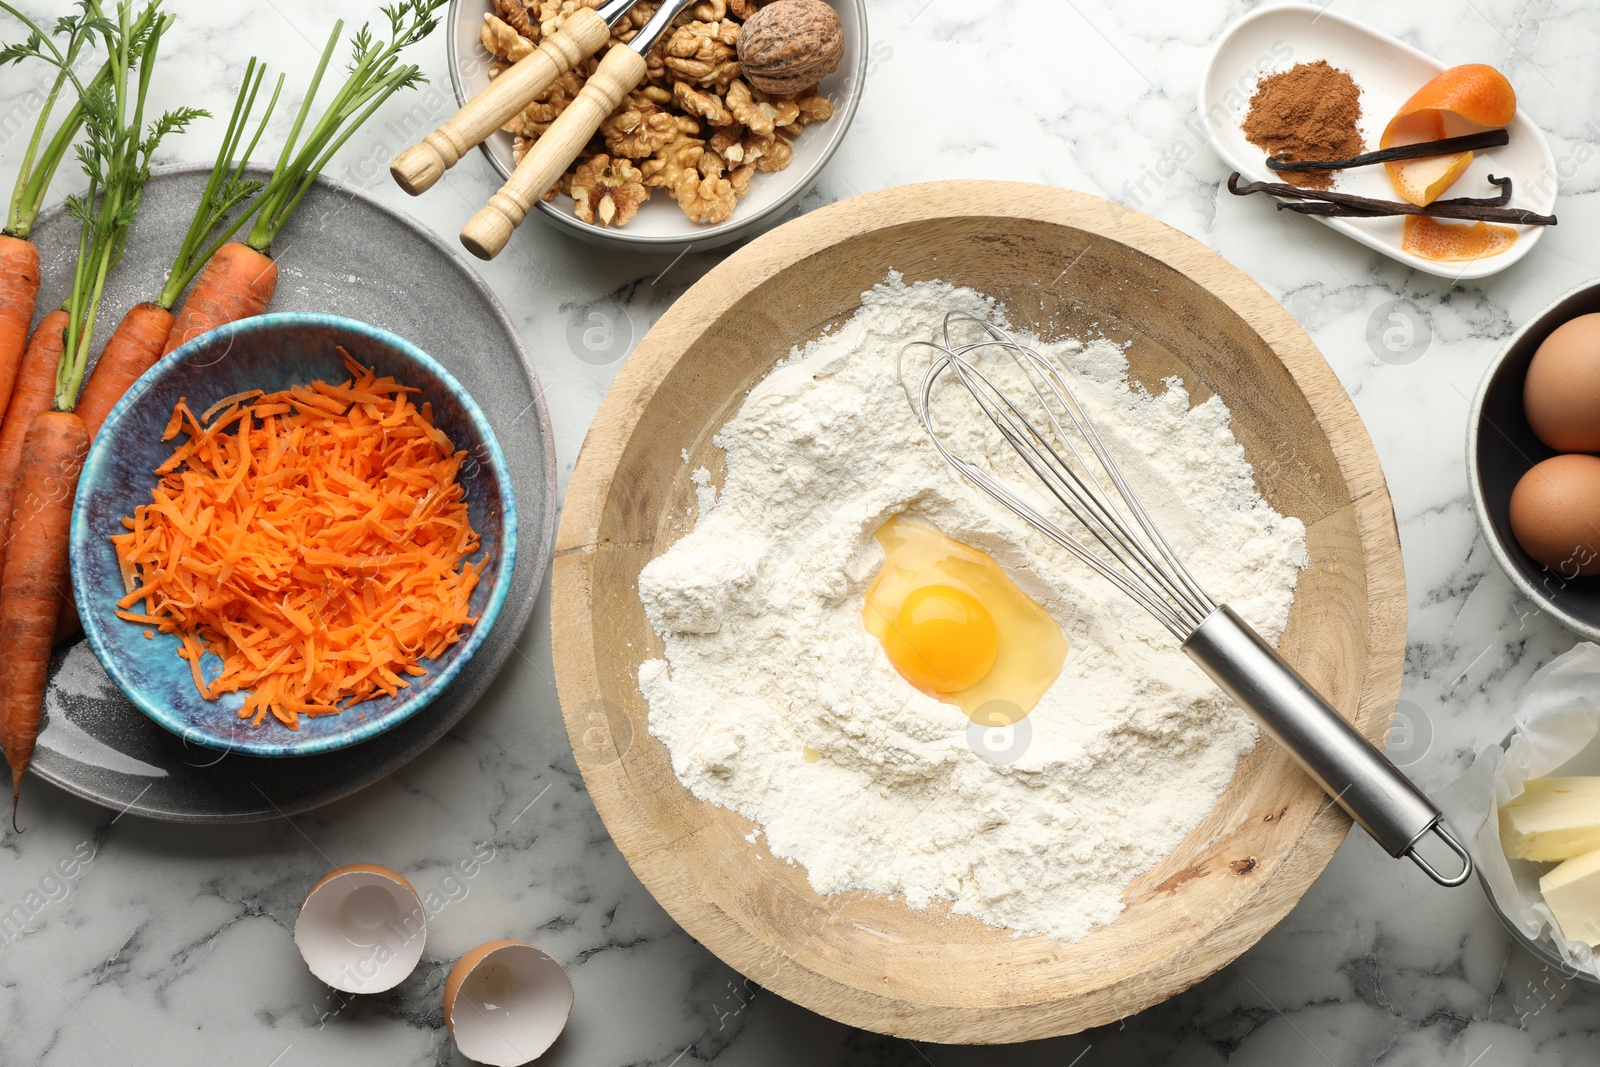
(225, 205)
(238, 283)
(19, 259)
(242, 276)
(141, 336)
(116, 157)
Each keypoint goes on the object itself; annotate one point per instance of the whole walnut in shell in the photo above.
(789, 45)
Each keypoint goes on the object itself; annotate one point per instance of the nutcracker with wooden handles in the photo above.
(581, 35)
(620, 72)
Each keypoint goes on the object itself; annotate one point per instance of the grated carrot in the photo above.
(315, 540)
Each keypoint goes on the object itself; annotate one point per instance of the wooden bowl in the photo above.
(1062, 262)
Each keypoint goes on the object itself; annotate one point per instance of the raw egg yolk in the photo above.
(955, 626)
(943, 640)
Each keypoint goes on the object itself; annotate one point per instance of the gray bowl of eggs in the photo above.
(1533, 459)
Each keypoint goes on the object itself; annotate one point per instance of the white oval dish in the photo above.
(361, 928)
(660, 225)
(506, 1002)
(1388, 71)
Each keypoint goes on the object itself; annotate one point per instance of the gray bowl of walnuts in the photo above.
(705, 151)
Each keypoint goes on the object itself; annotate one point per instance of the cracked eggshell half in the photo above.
(506, 1002)
(361, 928)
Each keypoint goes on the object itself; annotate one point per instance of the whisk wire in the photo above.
(1059, 479)
(1107, 525)
(1141, 561)
(1179, 580)
(1158, 608)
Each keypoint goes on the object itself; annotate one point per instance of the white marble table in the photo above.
(171, 945)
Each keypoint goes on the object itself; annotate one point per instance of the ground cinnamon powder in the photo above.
(1309, 111)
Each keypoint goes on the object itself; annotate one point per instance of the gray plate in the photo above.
(347, 254)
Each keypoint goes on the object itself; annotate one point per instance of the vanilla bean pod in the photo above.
(1340, 211)
(1472, 209)
(1448, 146)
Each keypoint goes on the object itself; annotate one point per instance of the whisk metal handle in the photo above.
(1358, 777)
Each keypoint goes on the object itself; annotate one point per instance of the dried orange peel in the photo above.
(1475, 92)
(1453, 241)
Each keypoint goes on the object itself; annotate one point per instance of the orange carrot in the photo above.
(236, 284)
(35, 387)
(34, 576)
(41, 476)
(132, 350)
(314, 539)
(19, 291)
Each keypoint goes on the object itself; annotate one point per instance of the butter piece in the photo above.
(1554, 819)
(1573, 892)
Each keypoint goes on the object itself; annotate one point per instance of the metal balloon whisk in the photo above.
(1029, 401)
(1136, 557)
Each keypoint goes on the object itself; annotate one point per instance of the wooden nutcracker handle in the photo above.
(620, 72)
(581, 35)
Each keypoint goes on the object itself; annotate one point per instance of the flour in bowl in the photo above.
(775, 702)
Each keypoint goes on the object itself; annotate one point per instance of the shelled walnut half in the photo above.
(608, 191)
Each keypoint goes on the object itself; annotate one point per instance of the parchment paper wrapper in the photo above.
(1555, 724)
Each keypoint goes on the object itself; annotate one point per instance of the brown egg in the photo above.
(1555, 514)
(1562, 392)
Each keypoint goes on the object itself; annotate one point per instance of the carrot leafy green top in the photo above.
(38, 168)
(116, 158)
(226, 189)
(375, 75)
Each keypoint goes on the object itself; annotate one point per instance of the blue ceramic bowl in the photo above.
(269, 352)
